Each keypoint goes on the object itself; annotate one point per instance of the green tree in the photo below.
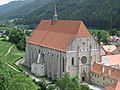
(18, 37)
(70, 83)
(22, 83)
(105, 37)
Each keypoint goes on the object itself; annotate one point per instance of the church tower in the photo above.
(54, 15)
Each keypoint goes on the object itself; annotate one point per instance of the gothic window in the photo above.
(84, 60)
(72, 61)
(42, 57)
(63, 64)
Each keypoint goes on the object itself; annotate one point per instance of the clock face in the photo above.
(84, 60)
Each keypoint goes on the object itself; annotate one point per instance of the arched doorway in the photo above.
(83, 76)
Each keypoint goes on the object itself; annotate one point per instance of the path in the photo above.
(9, 50)
(29, 73)
(12, 67)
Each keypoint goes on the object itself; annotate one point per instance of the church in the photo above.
(59, 46)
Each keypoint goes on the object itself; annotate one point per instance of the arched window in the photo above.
(72, 63)
(43, 57)
(63, 68)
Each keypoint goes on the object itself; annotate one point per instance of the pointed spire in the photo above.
(54, 16)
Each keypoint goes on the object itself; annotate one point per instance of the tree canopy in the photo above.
(18, 37)
(98, 14)
(70, 83)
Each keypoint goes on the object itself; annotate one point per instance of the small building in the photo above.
(109, 50)
(104, 75)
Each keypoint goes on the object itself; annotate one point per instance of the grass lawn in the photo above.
(11, 58)
(4, 46)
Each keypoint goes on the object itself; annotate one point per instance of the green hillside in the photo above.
(11, 78)
(13, 6)
(100, 14)
(18, 9)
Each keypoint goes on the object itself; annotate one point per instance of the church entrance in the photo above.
(83, 76)
(83, 79)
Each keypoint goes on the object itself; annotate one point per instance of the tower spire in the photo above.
(54, 16)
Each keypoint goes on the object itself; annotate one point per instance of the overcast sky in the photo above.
(5, 1)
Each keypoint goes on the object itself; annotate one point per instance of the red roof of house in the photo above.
(113, 59)
(109, 48)
(114, 86)
(115, 73)
(59, 35)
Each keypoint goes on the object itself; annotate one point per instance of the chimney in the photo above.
(109, 72)
(54, 16)
(103, 69)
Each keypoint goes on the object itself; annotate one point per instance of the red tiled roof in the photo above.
(113, 59)
(115, 73)
(59, 35)
(109, 48)
(114, 86)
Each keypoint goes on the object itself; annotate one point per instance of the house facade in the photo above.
(104, 75)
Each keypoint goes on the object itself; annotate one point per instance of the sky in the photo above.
(5, 1)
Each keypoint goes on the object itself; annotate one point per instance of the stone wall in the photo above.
(53, 59)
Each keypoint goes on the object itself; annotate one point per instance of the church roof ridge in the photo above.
(61, 32)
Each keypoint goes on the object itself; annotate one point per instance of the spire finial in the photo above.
(54, 16)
